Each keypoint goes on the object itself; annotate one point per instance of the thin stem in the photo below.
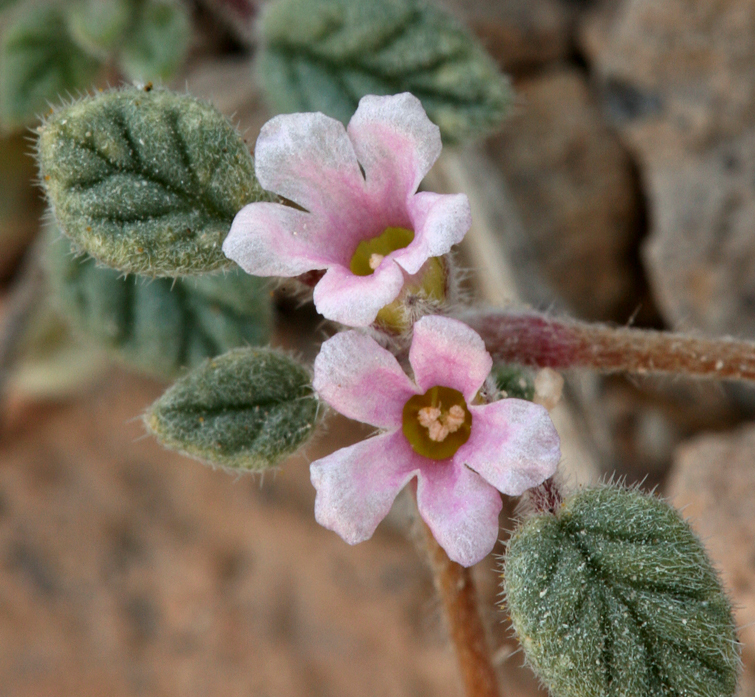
(25, 293)
(537, 340)
(456, 588)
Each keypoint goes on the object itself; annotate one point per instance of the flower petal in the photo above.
(439, 222)
(513, 445)
(309, 159)
(461, 510)
(395, 142)
(361, 380)
(447, 352)
(269, 239)
(355, 300)
(356, 486)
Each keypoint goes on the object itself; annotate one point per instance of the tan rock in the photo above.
(128, 570)
(575, 191)
(713, 480)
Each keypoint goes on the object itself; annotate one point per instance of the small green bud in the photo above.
(247, 409)
(157, 325)
(39, 63)
(147, 181)
(98, 26)
(516, 381)
(613, 595)
(324, 55)
(158, 41)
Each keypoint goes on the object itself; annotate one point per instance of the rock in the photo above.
(20, 201)
(520, 34)
(713, 480)
(575, 191)
(129, 570)
(679, 84)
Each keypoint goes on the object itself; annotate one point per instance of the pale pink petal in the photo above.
(460, 508)
(354, 300)
(439, 222)
(395, 142)
(447, 352)
(513, 445)
(309, 159)
(361, 380)
(269, 239)
(357, 485)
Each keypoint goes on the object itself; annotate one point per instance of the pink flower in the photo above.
(357, 185)
(461, 453)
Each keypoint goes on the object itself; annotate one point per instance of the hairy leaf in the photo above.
(147, 181)
(99, 25)
(516, 381)
(324, 55)
(39, 64)
(615, 596)
(158, 325)
(247, 409)
(158, 42)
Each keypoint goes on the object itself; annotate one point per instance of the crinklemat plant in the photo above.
(587, 572)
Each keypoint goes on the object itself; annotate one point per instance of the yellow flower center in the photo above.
(370, 253)
(437, 423)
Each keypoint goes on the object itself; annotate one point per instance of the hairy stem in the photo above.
(537, 340)
(457, 591)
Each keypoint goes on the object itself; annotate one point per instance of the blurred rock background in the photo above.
(629, 161)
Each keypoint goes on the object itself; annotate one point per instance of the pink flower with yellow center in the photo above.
(462, 453)
(358, 214)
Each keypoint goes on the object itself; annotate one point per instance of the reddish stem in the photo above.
(534, 339)
(547, 497)
(456, 588)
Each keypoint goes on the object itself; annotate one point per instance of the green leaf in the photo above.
(158, 325)
(615, 596)
(516, 381)
(99, 26)
(324, 55)
(5, 4)
(147, 181)
(158, 41)
(247, 409)
(39, 64)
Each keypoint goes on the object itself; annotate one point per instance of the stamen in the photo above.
(455, 418)
(427, 416)
(376, 260)
(438, 431)
(439, 423)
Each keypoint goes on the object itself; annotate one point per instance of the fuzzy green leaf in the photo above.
(39, 64)
(158, 325)
(516, 381)
(324, 55)
(158, 41)
(247, 409)
(614, 596)
(99, 26)
(147, 181)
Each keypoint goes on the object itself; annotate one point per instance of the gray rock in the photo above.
(519, 34)
(574, 187)
(678, 82)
